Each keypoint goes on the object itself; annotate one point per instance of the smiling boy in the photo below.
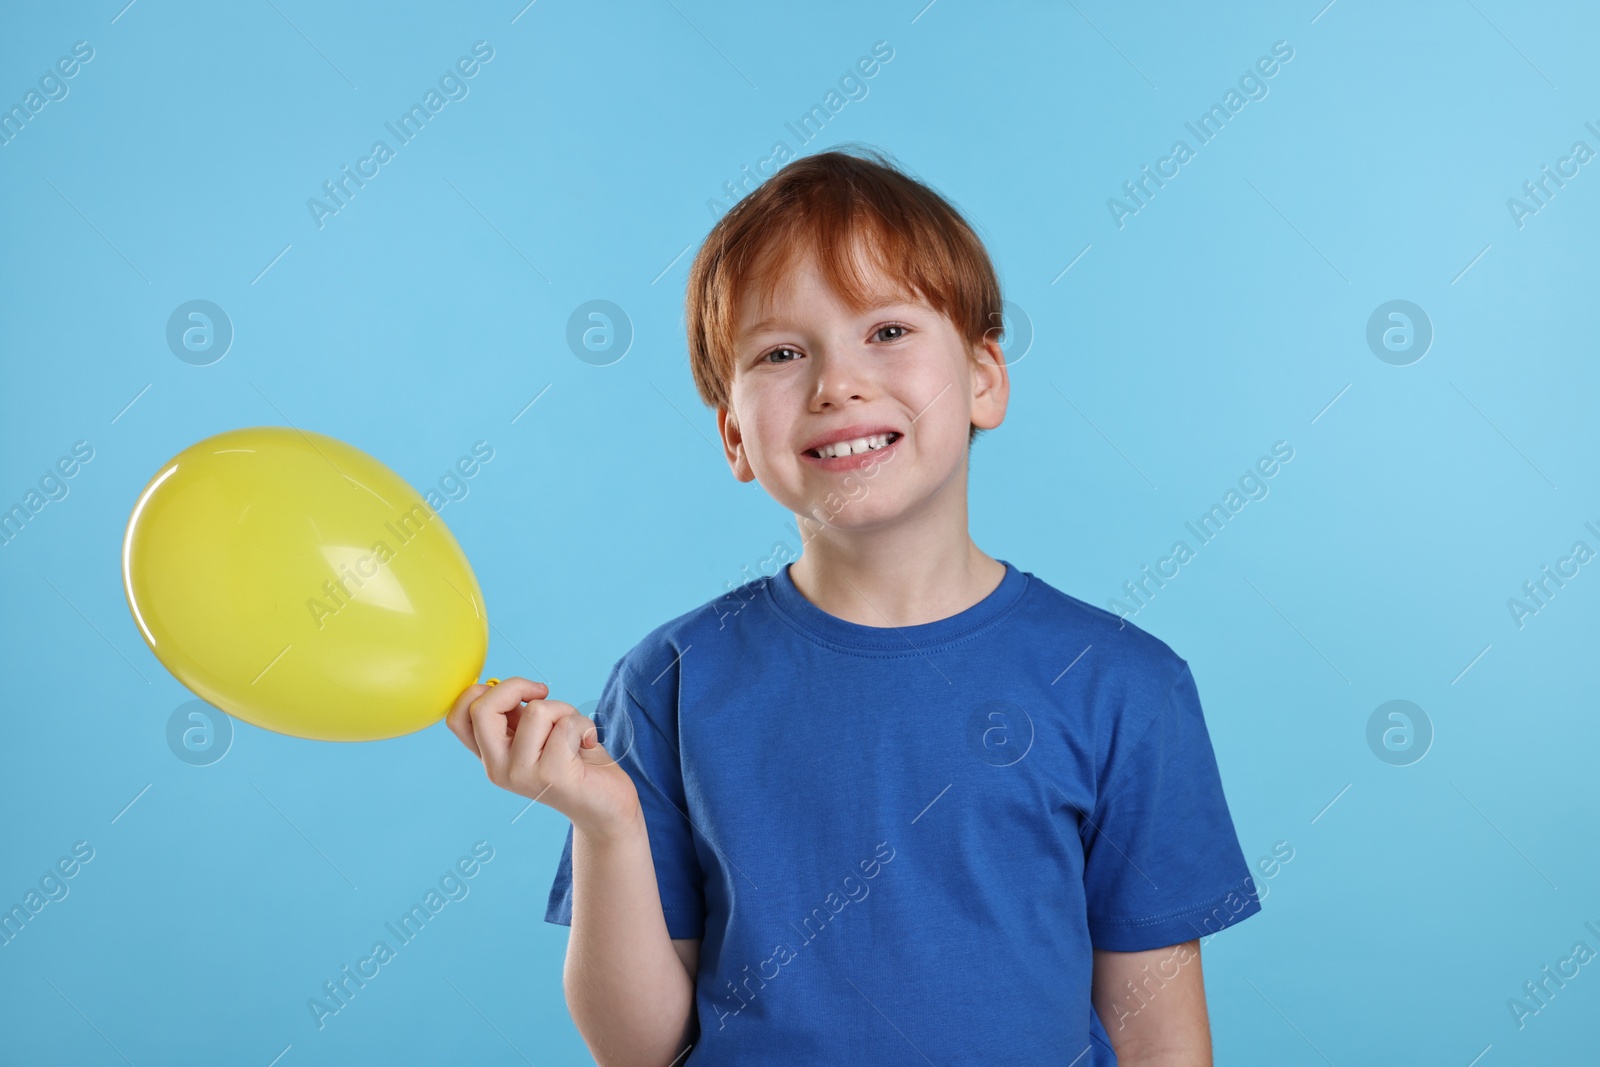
(910, 803)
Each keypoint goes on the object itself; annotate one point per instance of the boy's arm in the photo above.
(689, 952)
(1153, 1006)
(627, 983)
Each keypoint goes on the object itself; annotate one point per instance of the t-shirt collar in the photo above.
(792, 605)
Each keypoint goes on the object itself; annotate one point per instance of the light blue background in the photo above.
(1226, 315)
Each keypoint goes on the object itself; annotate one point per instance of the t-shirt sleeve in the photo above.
(650, 756)
(1162, 863)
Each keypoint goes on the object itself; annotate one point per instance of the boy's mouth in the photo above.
(853, 452)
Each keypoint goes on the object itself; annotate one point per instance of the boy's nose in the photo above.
(838, 381)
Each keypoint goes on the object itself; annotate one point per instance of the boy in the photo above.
(901, 802)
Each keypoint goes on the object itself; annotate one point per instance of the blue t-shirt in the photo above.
(899, 844)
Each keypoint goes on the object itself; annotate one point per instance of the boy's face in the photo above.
(809, 371)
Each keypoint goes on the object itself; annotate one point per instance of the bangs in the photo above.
(841, 246)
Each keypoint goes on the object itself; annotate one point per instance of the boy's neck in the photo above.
(883, 581)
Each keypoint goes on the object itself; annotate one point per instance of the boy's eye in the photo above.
(776, 351)
(893, 326)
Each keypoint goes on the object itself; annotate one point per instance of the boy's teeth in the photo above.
(850, 448)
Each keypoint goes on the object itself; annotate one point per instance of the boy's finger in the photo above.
(588, 732)
(540, 720)
(457, 719)
(489, 713)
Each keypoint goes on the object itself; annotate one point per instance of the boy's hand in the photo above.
(544, 750)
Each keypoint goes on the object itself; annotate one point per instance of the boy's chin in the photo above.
(854, 516)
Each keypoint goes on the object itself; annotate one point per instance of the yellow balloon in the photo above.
(297, 583)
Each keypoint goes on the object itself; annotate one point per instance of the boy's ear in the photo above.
(991, 384)
(733, 446)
